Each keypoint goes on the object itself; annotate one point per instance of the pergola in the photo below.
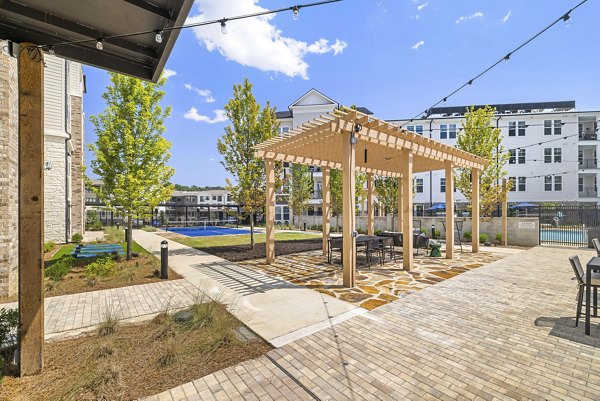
(331, 141)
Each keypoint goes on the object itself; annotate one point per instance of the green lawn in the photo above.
(229, 240)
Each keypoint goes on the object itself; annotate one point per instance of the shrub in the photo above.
(468, 235)
(76, 238)
(101, 267)
(93, 223)
(149, 229)
(483, 237)
(9, 321)
(94, 226)
(377, 232)
(437, 233)
(49, 246)
(109, 320)
(114, 235)
(499, 238)
(59, 269)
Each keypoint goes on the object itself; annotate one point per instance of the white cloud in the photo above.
(506, 17)
(422, 6)
(192, 114)
(205, 93)
(418, 44)
(167, 73)
(256, 42)
(478, 14)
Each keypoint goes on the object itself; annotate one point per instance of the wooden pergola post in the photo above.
(270, 211)
(400, 210)
(349, 210)
(407, 206)
(504, 214)
(449, 209)
(475, 209)
(371, 204)
(326, 193)
(31, 211)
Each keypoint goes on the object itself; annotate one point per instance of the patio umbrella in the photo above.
(523, 205)
(439, 206)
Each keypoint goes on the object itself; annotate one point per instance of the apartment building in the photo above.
(192, 206)
(553, 148)
(63, 158)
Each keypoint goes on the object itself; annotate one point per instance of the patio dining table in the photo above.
(592, 266)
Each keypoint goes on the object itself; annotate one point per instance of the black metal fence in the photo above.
(569, 225)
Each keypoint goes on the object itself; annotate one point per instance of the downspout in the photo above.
(67, 206)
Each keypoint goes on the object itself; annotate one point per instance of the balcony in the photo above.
(588, 163)
(588, 131)
(588, 193)
(317, 195)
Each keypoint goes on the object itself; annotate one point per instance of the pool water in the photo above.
(207, 231)
(573, 236)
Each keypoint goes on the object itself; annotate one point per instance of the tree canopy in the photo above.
(301, 188)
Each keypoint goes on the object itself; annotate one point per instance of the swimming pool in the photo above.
(208, 231)
(569, 236)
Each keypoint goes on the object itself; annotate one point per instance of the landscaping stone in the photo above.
(183, 316)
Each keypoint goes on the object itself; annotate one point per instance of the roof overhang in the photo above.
(44, 22)
(379, 146)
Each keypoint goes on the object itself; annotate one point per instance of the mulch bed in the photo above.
(237, 253)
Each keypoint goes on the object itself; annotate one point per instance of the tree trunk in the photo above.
(252, 231)
(129, 236)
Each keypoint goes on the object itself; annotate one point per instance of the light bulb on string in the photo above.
(223, 27)
(100, 44)
(296, 11)
(159, 36)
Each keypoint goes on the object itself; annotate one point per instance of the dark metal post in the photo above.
(126, 232)
(433, 231)
(164, 259)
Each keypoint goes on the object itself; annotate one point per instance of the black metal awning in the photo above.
(45, 22)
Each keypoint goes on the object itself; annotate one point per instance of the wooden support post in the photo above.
(31, 212)
(449, 209)
(407, 206)
(349, 210)
(400, 204)
(270, 211)
(326, 192)
(504, 214)
(371, 204)
(475, 209)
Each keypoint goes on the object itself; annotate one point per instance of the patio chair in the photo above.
(580, 277)
(334, 244)
(420, 241)
(371, 247)
(395, 235)
(387, 245)
(596, 244)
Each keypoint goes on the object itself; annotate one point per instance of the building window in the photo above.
(416, 128)
(521, 156)
(452, 131)
(557, 183)
(283, 130)
(512, 128)
(513, 156)
(443, 131)
(419, 185)
(557, 155)
(548, 183)
(513, 183)
(580, 156)
(547, 127)
(522, 184)
(442, 185)
(550, 124)
(547, 155)
(557, 127)
(521, 126)
(580, 184)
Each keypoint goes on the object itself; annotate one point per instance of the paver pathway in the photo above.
(503, 331)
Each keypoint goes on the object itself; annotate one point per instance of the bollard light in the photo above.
(164, 259)
(433, 231)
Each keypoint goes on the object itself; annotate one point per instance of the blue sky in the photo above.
(395, 57)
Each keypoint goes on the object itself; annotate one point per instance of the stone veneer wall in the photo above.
(9, 185)
(77, 183)
(54, 189)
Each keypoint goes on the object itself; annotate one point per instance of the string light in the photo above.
(159, 36)
(565, 17)
(296, 13)
(222, 22)
(51, 50)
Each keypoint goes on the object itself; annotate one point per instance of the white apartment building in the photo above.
(553, 150)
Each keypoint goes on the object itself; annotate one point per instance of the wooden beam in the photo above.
(31, 212)
(475, 209)
(270, 211)
(504, 214)
(407, 203)
(371, 204)
(349, 209)
(326, 192)
(449, 210)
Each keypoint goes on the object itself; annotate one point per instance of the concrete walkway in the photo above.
(276, 310)
(503, 331)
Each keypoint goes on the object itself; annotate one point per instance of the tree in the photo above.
(480, 138)
(387, 194)
(131, 154)
(301, 188)
(336, 183)
(249, 126)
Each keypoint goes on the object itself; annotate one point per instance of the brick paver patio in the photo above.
(502, 331)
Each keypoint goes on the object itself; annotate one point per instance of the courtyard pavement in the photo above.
(502, 331)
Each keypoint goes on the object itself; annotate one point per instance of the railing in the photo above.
(588, 135)
(588, 193)
(588, 163)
